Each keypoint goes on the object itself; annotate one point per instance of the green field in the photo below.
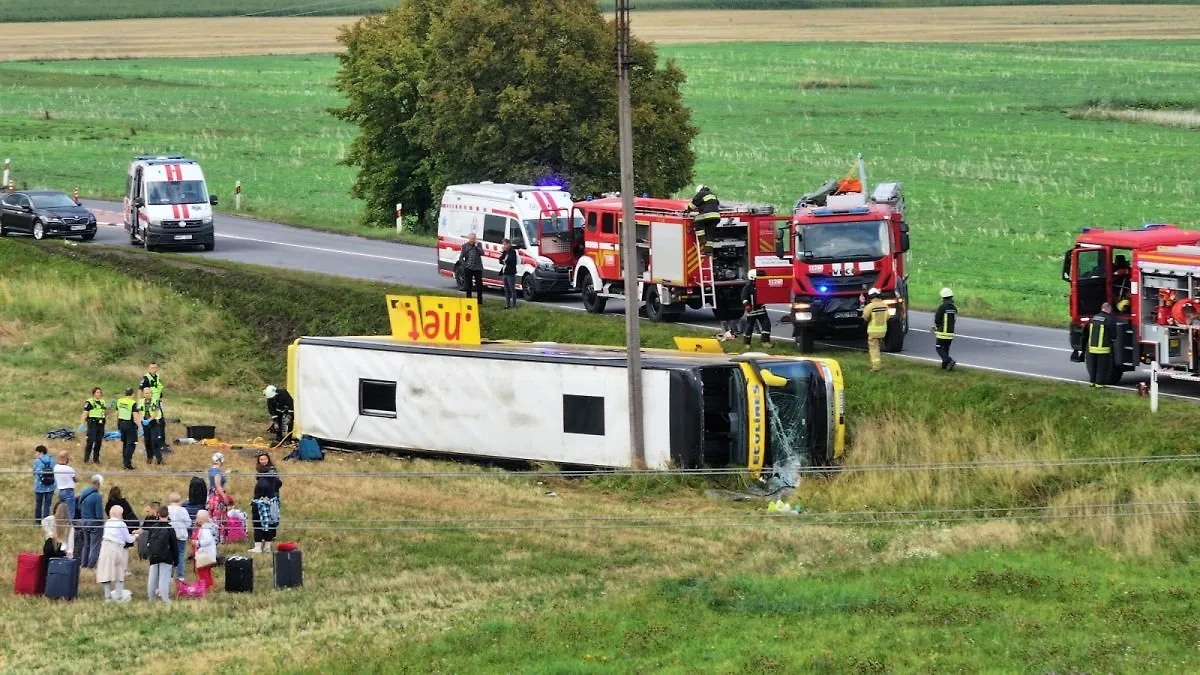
(1094, 592)
(999, 173)
(77, 10)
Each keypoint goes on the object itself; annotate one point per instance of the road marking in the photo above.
(323, 249)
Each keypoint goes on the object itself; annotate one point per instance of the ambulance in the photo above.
(167, 203)
(537, 220)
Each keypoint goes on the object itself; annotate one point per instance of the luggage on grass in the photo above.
(31, 574)
(289, 572)
(185, 590)
(239, 575)
(62, 579)
(235, 521)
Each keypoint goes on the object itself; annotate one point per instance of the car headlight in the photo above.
(53, 219)
(891, 311)
(208, 220)
(545, 265)
(803, 316)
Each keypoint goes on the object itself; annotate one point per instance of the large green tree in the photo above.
(504, 90)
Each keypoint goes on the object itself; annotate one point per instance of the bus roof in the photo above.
(1148, 237)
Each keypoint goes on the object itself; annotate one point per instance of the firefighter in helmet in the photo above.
(756, 313)
(876, 315)
(943, 328)
(1101, 330)
(1121, 284)
(708, 210)
(281, 408)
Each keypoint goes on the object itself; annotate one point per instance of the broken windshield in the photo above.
(840, 241)
(788, 424)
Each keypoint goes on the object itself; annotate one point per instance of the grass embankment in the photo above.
(745, 597)
(1001, 178)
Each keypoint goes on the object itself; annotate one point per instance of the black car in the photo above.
(45, 213)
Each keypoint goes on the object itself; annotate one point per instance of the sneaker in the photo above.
(952, 364)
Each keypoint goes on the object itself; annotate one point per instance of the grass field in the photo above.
(1001, 168)
(1094, 593)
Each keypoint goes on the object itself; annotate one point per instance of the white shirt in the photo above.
(180, 519)
(117, 531)
(64, 477)
(206, 540)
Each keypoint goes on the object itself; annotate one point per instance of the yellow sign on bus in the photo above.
(434, 320)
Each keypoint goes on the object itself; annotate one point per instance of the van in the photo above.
(536, 219)
(167, 203)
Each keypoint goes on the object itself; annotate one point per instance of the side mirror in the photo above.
(904, 226)
(779, 243)
(27, 208)
(212, 199)
(904, 243)
(771, 379)
(1066, 268)
(139, 202)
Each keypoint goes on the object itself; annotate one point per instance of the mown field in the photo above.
(1073, 585)
(1001, 162)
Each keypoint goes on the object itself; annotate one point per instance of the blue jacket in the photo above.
(43, 463)
(91, 505)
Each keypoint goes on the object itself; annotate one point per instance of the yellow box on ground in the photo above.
(433, 319)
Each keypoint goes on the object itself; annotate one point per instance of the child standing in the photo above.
(162, 551)
(206, 548)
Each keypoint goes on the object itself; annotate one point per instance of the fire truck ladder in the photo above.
(708, 287)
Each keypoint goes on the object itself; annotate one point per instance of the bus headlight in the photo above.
(891, 311)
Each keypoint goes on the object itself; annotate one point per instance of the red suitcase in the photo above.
(31, 574)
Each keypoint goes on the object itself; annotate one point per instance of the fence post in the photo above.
(237, 196)
(1154, 386)
(399, 217)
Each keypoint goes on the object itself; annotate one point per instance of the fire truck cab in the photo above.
(673, 274)
(1151, 277)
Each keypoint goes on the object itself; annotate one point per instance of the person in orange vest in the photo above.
(876, 315)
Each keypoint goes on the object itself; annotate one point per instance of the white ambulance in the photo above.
(167, 203)
(536, 219)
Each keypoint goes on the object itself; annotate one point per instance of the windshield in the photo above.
(788, 424)
(176, 192)
(838, 241)
(552, 225)
(55, 201)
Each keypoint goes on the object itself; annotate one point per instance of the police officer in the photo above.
(127, 427)
(1102, 328)
(149, 412)
(708, 209)
(95, 411)
(280, 407)
(876, 315)
(943, 328)
(756, 313)
(153, 380)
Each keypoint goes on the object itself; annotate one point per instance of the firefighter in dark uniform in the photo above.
(943, 328)
(756, 314)
(94, 413)
(127, 427)
(1102, 328)
(281, 408)
(708, 209)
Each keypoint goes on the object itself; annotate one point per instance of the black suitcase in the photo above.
(289, 572)
(239, 575)
(62, 579)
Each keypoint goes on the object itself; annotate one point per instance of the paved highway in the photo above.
(985, 345)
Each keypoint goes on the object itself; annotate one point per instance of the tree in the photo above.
(503, 90)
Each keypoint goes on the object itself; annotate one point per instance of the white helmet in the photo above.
(269, 392)
(752, 275)
(701, 186)
(947, 293)
(218, 458)
(873, 292)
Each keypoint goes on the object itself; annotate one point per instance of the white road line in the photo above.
(322, 249)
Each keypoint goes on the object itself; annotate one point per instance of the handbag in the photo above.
(204, 560)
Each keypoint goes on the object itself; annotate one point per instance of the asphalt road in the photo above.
(1013, 349)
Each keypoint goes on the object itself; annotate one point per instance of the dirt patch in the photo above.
(1186, 119)
(305, 35)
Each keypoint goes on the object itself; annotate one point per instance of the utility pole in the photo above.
(629, 252)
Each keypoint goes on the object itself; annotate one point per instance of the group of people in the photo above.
(140, 414)
(470, 260)
(76, 527)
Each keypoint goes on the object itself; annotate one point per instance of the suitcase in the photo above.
(239, 575)
(289, 572)
(31, 574)
(62, 579)
(186, 590)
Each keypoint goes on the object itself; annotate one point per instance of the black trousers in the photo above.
(763, 322)
(705, 229)
(128, 441)
(152, 438)
(283, 423)
(943, 350)
(95, 436)
(1099, 368)
(475, 281)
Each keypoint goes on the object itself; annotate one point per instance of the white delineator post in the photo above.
(8, 174)
(399, 217)
(237, 196)
(1154, 386)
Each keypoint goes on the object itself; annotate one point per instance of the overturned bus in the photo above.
(567, 404)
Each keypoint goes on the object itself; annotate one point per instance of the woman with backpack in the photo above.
(43, 483)
(265, 507)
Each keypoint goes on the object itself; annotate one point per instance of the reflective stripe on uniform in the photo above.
(1096, 342)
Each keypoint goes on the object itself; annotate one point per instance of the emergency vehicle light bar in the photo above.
(857, 210)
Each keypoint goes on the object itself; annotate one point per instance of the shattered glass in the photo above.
(787, 425)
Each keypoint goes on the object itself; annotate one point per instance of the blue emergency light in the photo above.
(823, 289)
(855, 211)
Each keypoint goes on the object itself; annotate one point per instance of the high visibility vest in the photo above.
(876, 315)
(96, 409)
(1098, 337)
(125, 408)
(156, 384)
(149, 409)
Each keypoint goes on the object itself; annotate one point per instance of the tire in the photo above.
(39, 230)
(654, 307)
(460, 278)
(146, 243)
(893, 341)
(210, 245)
(727, 313)
(528, 289)
(593, 303)
(804, 339)
(88, 237)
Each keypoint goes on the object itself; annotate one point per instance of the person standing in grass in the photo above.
(181, 522)
(113, 564)
(95, 412)
(43, 483)
(154, 382)
(162, 552)
(91, 515)
(128, 428)
(876, 315)
(265, 507)
(218, 500)
(508, 274)
(205, 542)
(64, 480)
(149, 411)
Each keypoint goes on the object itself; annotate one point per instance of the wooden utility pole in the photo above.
(629, 252)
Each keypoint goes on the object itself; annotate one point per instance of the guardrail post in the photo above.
(237, 196)
(399, 217)
(8, 183)
(1154, 386)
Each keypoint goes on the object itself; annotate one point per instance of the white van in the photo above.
(167, 203)
(537, 220)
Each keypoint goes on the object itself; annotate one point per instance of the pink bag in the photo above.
(236, 523)
(186, 590)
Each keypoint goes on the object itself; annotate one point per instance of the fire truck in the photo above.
(842, 243)
(1151, 277)
(673, 274)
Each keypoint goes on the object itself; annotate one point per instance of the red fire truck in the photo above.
(1151, 277)
(843, 243)
(674, 275)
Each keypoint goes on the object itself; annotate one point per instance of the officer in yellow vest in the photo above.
(95, 411)
(154, 381)
(149, 412)
(943, 328)
(875, 313)
(127, 427)
(1102, 328)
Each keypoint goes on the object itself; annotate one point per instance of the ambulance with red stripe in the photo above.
(167, 204)
(537, 220)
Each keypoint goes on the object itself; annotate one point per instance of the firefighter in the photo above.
(1121, 283)
(149, 411)
(943, 328)
(127, 427)
(1102, 328)
(708, 209)
(95, 411)
(281, 408)
(756, 314)
(876, 314)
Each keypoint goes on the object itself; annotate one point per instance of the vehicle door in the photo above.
(10, 209)
(774, 283)
(24, 215)
(608, 250)
(516, 236)
(493, 237)
(1089, 274)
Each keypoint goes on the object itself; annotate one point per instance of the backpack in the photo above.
(143, 542)
(46, 475)
(197, 491)
(310, 450)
